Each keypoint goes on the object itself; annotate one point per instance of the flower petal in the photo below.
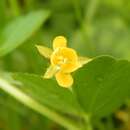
(83, 60)
(51, 70)
(64, 80)
(44, 51)
(68, 54)
(59, 41)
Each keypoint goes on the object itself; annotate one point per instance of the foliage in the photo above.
(99, 97)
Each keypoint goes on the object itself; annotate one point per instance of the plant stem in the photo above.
(77, 11)
(14, 5)
(33, 104)
(91, 10)
(88, 125)
(85, 26)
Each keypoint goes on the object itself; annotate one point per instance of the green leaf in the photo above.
(102, 85)
(47, 92)
(43, 96)
(19, 30)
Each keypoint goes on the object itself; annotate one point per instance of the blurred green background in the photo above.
(92, 27)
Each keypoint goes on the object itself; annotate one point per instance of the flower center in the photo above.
(65, 58)
(62, 60)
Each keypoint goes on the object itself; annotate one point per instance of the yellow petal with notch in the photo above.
(59, 41)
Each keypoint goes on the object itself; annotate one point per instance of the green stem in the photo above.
(77, 11)
(87, 119)
(86, 124)
(91, 10)
(90, 13)
(15, 8)
(84, 27)
(33, 104)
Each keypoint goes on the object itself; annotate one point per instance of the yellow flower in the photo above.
(63, 61)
